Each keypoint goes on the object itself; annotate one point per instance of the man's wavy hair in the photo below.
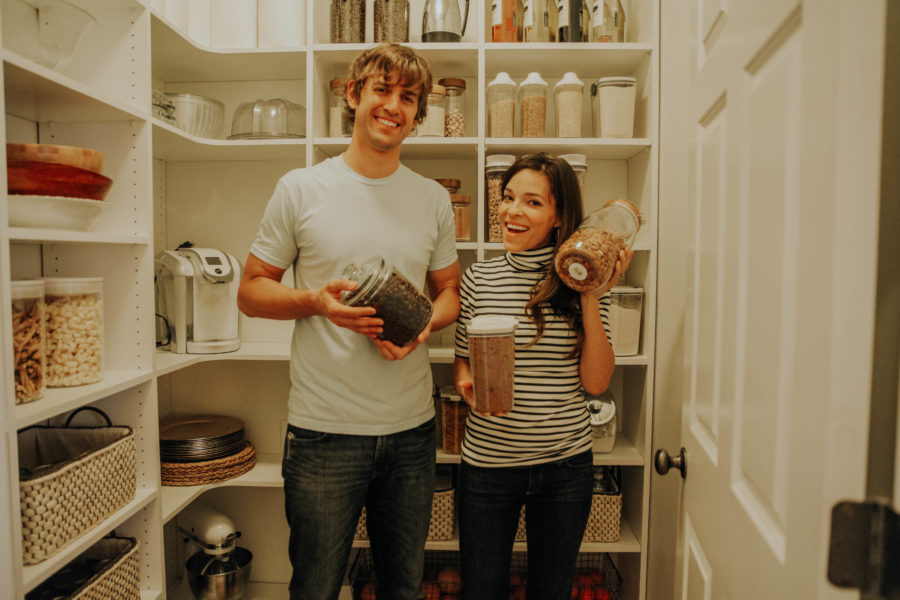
(396, 64)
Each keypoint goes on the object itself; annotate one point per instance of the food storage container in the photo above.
(603, 422)
(391, 21)
(533, 103)
(28, 339)
(503, 20)
(494, 168)
(74, 340)
(492, 360)
(462, 216)
(348, 21)
(569, 20)
(578, 163)
(451, 185)
(453, 419)
(612, 107)
(588, 258)
(607, 21)
(501, 102)
(568, 98)
(338, 121)
(433, 123)
(625, 319)
(404, 310)
(535, 20)
(268, 119)
(455, 106)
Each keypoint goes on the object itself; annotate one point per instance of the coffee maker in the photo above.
(196, 294)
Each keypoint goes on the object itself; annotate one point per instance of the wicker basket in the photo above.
(71, 478)
(118, 575)
(198, 115)
(208, 471)
(442, 515)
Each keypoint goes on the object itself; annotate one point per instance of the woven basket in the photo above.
(208, 471)
(119, 578)
(71, 478)
(439, 528)
(603, 521)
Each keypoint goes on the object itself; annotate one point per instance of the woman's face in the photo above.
(527, 211)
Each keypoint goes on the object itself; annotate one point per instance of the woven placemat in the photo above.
(208, 471)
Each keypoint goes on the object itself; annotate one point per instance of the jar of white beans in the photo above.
(74, 332)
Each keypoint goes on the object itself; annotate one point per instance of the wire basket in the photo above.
(198, 115)
(441, 578)
(594, 571)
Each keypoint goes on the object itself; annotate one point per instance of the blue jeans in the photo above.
(328, 478)
(557, 499)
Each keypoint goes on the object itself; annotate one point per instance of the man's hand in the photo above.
(358, 319)
(391, 351)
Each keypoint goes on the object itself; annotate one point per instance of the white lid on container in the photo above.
(67, 286)
(570, 78)
(576, 160)
(626, 289)
(602, 410)
(502, 78)
(26, 288)
(499, 160)
(534, 78)
(492, 325)
(620, 81)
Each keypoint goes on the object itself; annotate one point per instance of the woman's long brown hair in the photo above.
(551, 291)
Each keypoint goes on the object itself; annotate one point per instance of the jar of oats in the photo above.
(74, 320)
(588, 258)
(533, 103)
(492, 360)
(455, 106)
(494, 168)
(578, 162)
(568, 96)
(433, 123)
(28, 339)
(501, 102)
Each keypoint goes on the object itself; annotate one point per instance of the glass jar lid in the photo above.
(491, 325)
(454, 82)
(493, 161)
(460, 198)
(369, 276)
(437, 90)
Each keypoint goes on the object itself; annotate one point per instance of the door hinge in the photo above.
(864, 549)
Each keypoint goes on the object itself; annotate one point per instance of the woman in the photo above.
(539, 454)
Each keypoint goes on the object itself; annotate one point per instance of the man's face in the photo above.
(385, 112)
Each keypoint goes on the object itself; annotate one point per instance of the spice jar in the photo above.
(535, 21)
(28, 339)
(569, 20)
(461, 215)
(74, 346)
(501, 101)
(568, 96)
(588, 258)
(612, 107)
(348, 21)
(603, 422)
(494, 168)
(404, 310)
(455, 107)
(607, 21)
(453, 420)
(625, 319)
(533, 103)
(433, 123)
(503, 20)
(492, 360)
(391, 21)
(338, 121)
(578, 162)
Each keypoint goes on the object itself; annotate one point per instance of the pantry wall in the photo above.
(171, 187)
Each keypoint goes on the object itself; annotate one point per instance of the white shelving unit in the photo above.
(171, 186)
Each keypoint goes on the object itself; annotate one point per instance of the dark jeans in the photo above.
(557, 498)
(328, 478)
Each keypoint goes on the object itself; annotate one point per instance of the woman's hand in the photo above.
(625, 256)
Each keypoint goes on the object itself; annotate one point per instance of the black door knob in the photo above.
(663, 462)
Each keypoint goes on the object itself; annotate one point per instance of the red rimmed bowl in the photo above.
(73, 156)
(51, 179)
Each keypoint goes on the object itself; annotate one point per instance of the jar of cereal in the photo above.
(501, 101)
(28, 339)
(433, 123)
(533, 103)
(568, 98)
(74, 350)
(494, 168)
(455, 115)
(492, 359)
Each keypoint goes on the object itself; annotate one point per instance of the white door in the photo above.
(769, 194)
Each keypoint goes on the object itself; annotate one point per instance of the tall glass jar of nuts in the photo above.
(533, 103)
(501, 102)
(28, 339)
(74, 347)
(588, 258)
(494, 168)
(568, 96)
(455, 106)
(391, 21)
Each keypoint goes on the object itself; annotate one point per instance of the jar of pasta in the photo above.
(74, 347)
(28, 339)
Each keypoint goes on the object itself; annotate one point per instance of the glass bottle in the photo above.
(391, 21)
(29, 339)
(455, 106)
(348, 21)
(568, 97)
(433, 123)
(569, 28)
(533, 105)
(338, 120)
(501, 101)
(503, 20)
(607, 21)
(588, 258)
(535, 21)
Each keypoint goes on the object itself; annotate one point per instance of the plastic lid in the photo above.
(534, 79)
(460, 198)
(616, 81)
(502, 78)
(26, 288)
(499, 160)
(569, 78)
(439, 90)
(453, 82)
(576, 160)
(66, 286)
(492, 325)
(602, 410)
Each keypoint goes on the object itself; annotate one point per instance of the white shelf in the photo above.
(173, 144)
(585, 59)
(458, 59)
(592, 148)
(42, 236)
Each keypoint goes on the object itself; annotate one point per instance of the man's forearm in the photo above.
(268, 299)
(446, 308)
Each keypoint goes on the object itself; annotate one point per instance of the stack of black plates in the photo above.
(195, 438)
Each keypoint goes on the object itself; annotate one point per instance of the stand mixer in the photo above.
(220, 569)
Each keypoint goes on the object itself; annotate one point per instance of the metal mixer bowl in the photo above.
(210, 581)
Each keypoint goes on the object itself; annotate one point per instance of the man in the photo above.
(361, 418)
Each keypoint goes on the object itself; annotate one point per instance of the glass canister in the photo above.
(74, 342)
(433, 123)
(503, 20)
(455, 106)
(494, 168)
(28, 339)
(338, 121)
(568, 96)
(578, 162)
(391, 21)
(533, 103)
(612, 107)
(462, 216)
(453, 420)
(625, 304)
(492, 360)
(536, 21)
(501, 101)
(348, 21)
(588, 258)
(404, 310)
(569, 26)
(602, 410)
(607, 21)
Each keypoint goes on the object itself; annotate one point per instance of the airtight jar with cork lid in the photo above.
(433, 123)
(455, 106)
